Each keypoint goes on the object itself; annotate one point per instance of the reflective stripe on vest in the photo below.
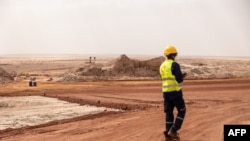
(169, 82)
(171, 86)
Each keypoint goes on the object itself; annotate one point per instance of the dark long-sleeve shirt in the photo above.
(176, 71)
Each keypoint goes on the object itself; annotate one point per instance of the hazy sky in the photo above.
(195, 27)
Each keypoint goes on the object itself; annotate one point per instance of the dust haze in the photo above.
(196, 28)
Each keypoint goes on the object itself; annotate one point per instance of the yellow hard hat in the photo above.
(169, 50)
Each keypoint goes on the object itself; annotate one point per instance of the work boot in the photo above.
(174, 135)
(167, 137)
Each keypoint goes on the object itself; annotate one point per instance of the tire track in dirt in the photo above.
(207, 116)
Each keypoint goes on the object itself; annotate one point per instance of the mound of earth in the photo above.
(125, 66)
(122, 68)
(5, 76)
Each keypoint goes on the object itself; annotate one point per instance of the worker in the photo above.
(172, 77)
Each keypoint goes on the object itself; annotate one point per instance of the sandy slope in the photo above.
(210, 105)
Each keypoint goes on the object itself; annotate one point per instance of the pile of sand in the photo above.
(5, 76)
(124, 68)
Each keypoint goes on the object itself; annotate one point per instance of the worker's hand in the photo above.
(184, 74)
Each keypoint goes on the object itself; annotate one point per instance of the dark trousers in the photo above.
(172, 100)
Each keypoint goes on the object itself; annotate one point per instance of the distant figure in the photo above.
(30, 82)
(171, 77)
(90, 59)
(34, 84)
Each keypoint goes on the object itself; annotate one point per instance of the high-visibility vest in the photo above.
(169, 83)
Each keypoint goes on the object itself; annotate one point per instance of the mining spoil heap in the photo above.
(122, 68)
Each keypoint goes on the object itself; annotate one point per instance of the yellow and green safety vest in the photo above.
(169, 83)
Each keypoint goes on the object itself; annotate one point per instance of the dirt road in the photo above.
(210, 105)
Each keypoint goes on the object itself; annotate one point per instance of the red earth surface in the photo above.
(210, 105)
